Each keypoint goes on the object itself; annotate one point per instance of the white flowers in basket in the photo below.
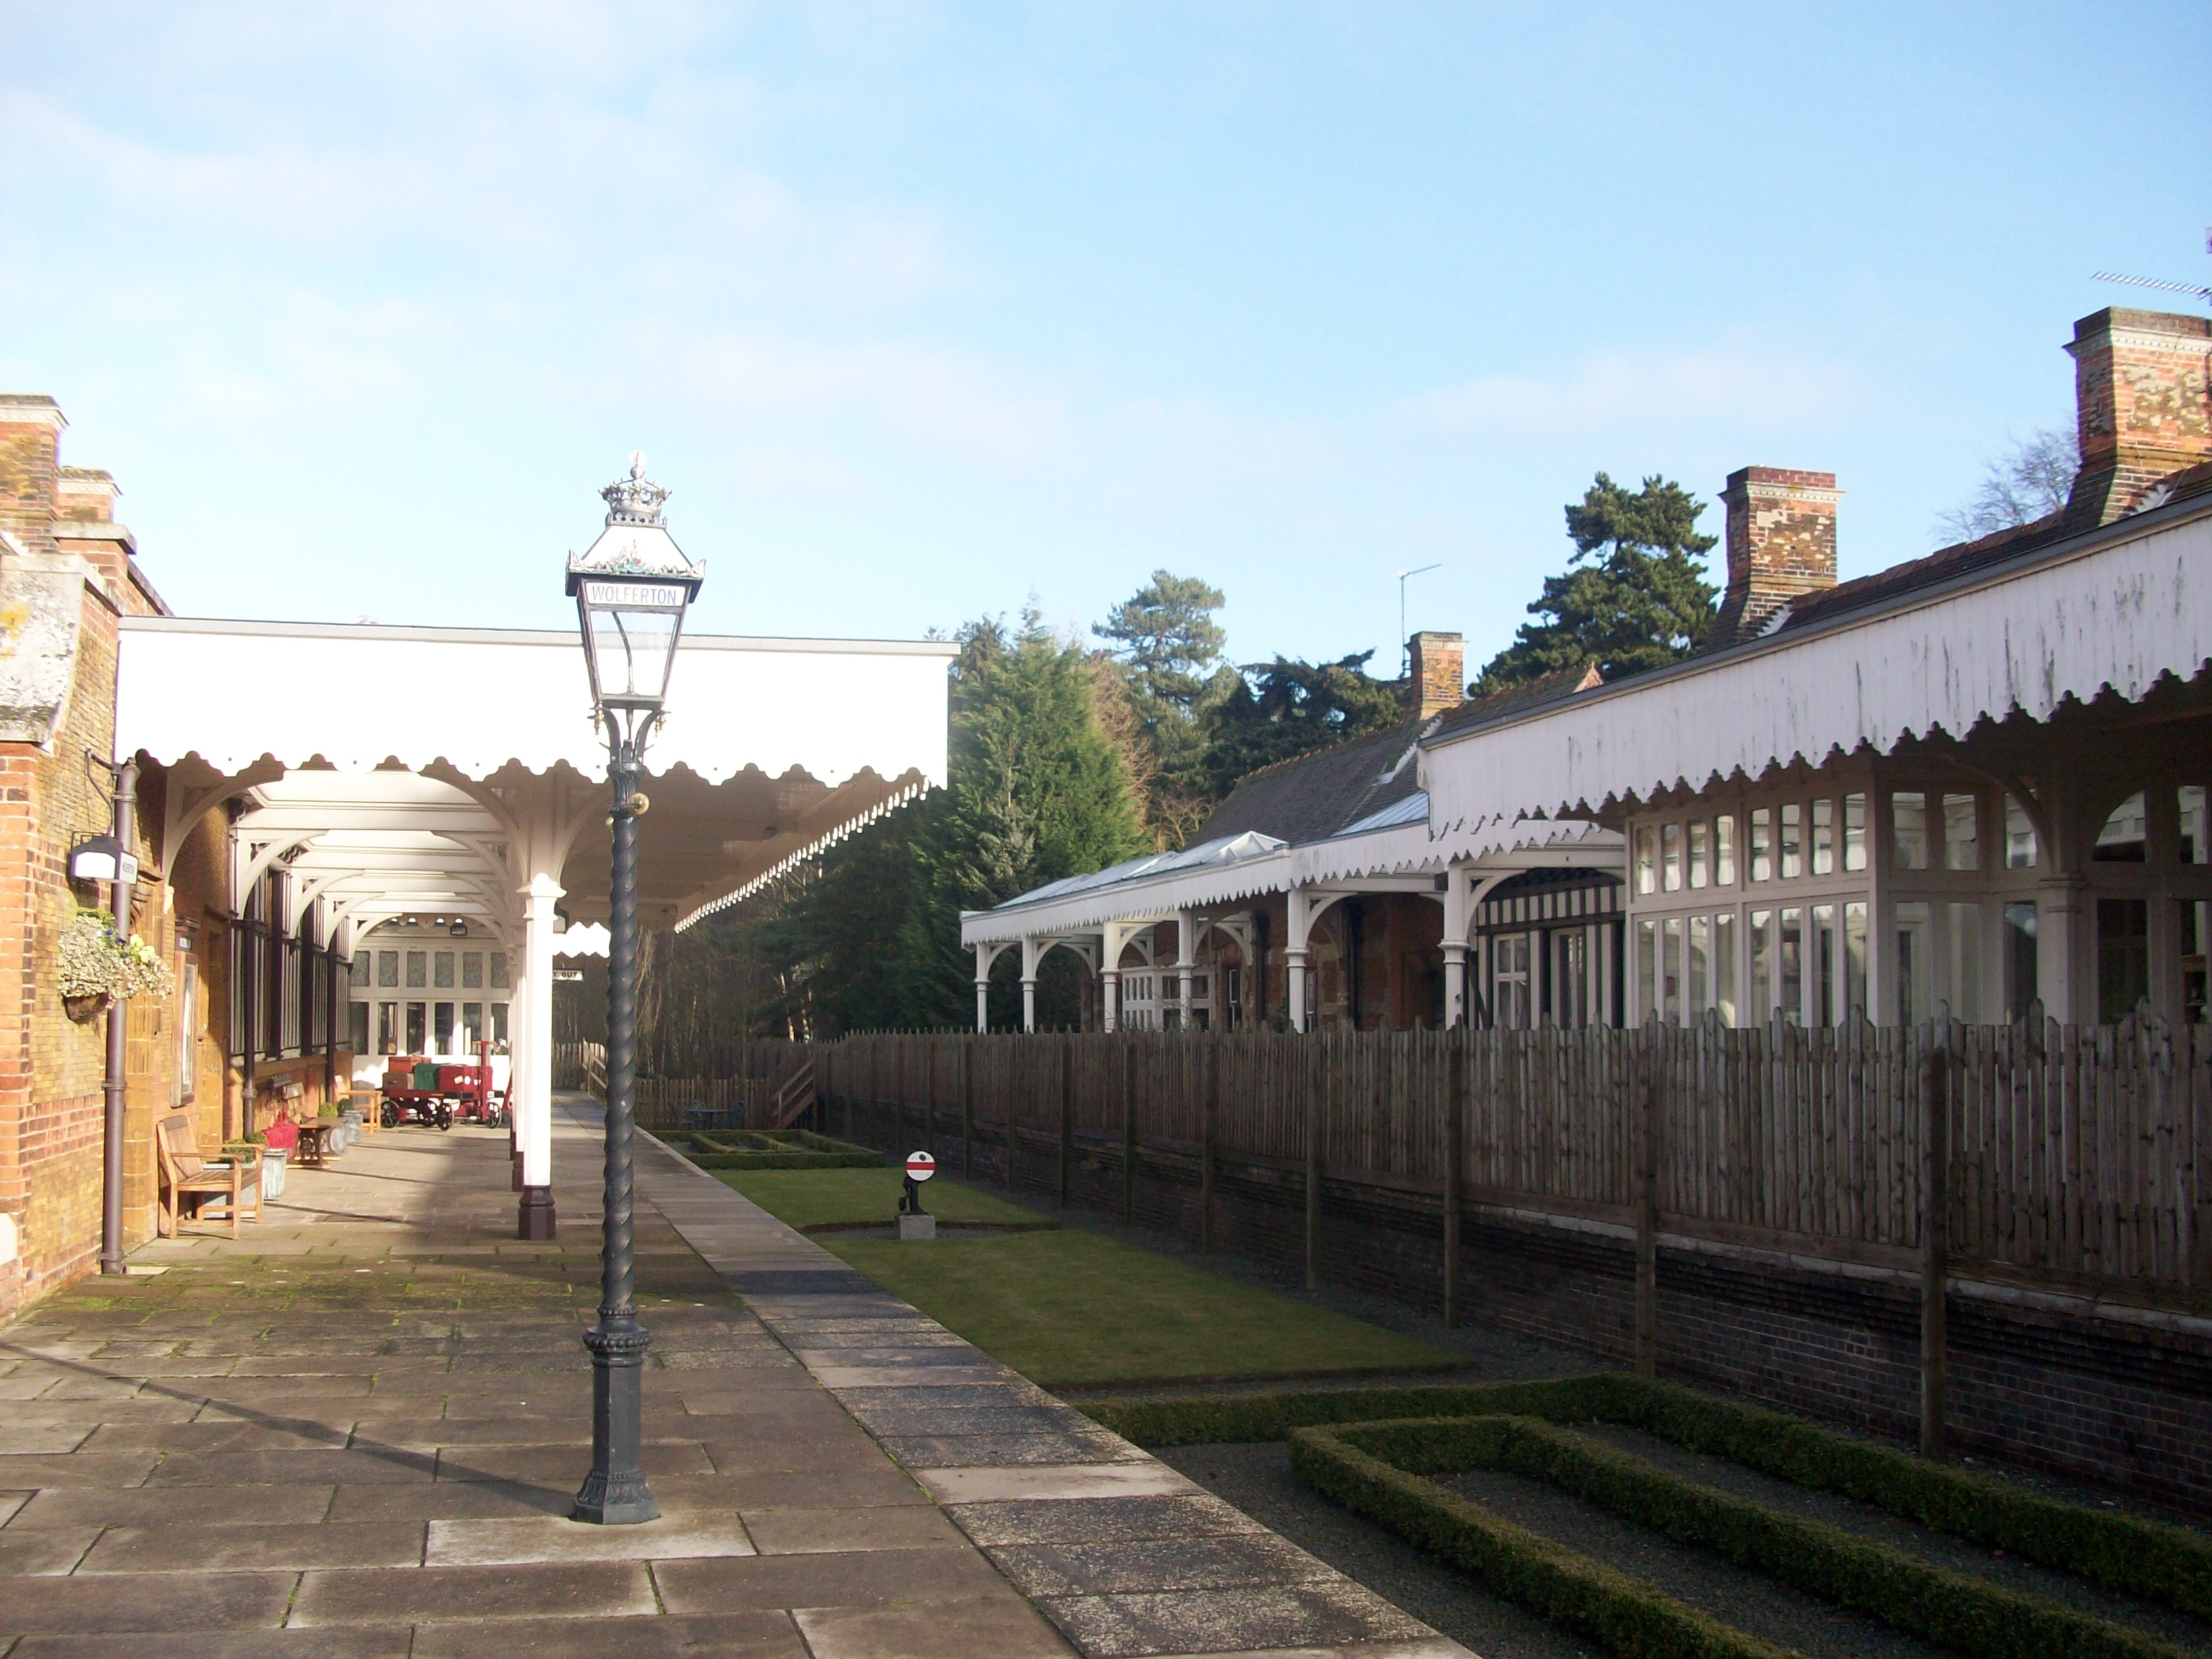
(95, 966)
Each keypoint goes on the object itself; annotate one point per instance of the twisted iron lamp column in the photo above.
(615, 1493)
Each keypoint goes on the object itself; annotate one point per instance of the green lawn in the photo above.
(1067, 1309)
(806, 1198)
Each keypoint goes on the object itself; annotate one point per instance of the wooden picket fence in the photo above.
(2078, 1156)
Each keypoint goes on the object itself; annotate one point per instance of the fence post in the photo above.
(1311, 1045)
(1646, 1104)
(1210, 1101)
(967, 1108)
(1935, 1239)
(1013, 1110)
(1067, 1053)
(1129, 1133)
(1455, 1158)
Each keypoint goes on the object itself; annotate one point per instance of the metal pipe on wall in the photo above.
(113, 1085)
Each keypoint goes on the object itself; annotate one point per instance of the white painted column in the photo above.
(1111, 979)
(1186, 960)
(1454, 948)
(1299, 918)
(983, 958)
(533, 1057)
(1030, 954)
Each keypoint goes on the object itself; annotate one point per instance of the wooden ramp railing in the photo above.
(785, 1098)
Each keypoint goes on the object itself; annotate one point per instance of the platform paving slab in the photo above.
(357, 1430)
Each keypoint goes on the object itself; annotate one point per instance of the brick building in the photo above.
(68, 573)
(1980, 779)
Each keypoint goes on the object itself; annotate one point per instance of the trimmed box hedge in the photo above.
(773, 1149)
(1631, 1618)
(2122, 1551)
(1952, 1609)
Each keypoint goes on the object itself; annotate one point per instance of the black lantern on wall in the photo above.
(631, 590)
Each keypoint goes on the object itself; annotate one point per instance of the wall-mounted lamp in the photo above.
(102, 858)
(459, 930)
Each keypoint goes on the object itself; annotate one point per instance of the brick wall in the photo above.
(1781, 544)
(2143, 386)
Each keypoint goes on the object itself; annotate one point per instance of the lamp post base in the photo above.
(615, 1492)
(533, 1221)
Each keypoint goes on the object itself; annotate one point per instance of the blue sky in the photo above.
(921, 309)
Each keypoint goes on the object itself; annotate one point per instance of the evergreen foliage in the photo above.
(870, 936)
(1634, 597)
(1155, 694)
(1281, 710)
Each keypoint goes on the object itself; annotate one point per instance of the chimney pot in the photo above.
(1439, 671)
(1781, 545)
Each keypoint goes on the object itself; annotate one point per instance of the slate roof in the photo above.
(1964, 558)
(1370, 782)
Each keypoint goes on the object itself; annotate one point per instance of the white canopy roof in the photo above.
(2115, 610)
(357, 696)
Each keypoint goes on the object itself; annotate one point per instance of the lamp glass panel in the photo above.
(629, 633)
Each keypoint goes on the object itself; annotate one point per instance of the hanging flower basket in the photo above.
(96, 967)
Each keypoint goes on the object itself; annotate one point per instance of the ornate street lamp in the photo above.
(630, 590)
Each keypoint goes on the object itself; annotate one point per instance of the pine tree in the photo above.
(1287, 708)
(1634, 597)
(1164, 641)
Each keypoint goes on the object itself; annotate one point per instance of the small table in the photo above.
(704, 1117)
(315, 1140)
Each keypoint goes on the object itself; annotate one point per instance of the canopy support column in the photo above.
(1299, 914)
(532, 1067)
(1186, 960)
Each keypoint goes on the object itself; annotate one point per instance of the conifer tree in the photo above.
(1634, 596)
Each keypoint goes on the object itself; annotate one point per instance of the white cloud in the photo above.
(1736, 383)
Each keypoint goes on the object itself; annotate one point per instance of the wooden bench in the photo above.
(189, 1179)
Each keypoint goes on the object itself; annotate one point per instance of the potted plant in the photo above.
(95, 966)
(278, 1138)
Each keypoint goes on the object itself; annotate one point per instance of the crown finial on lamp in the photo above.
(637, 499)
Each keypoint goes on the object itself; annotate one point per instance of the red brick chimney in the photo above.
(1781, 544)
(2142, 398)
(85, 494)
(30, 445)
(1439, 671)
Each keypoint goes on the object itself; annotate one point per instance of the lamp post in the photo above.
(631, 590)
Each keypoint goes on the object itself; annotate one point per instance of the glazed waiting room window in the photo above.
(2192, 804)
(1966, 979)
(441, 970)
(387, 969)
(1820, 985)
(2123, 957)
(1571, 977)
(2020, 837)
(1960, 849)
(2195, 932)
(1700, 835)
(1724, 850)
(1647, 859)
(1670, 857)
(1915, 964)
(1908, 821)
(471, 970)
(2019, 979)
(360, 968)
(2125, 838)
(1793, 840)
(1762, 843)
(418, 971)
(498, 970)
(1824, 837)
(1511, 980)
(1854, 957)
(1855, 829)
(360, 1031)
(1762, 966)
(418, 1027)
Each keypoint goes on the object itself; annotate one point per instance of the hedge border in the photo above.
(2121, 1552)
(1952, 1609)
(1631, 1618)
(772, 1149)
